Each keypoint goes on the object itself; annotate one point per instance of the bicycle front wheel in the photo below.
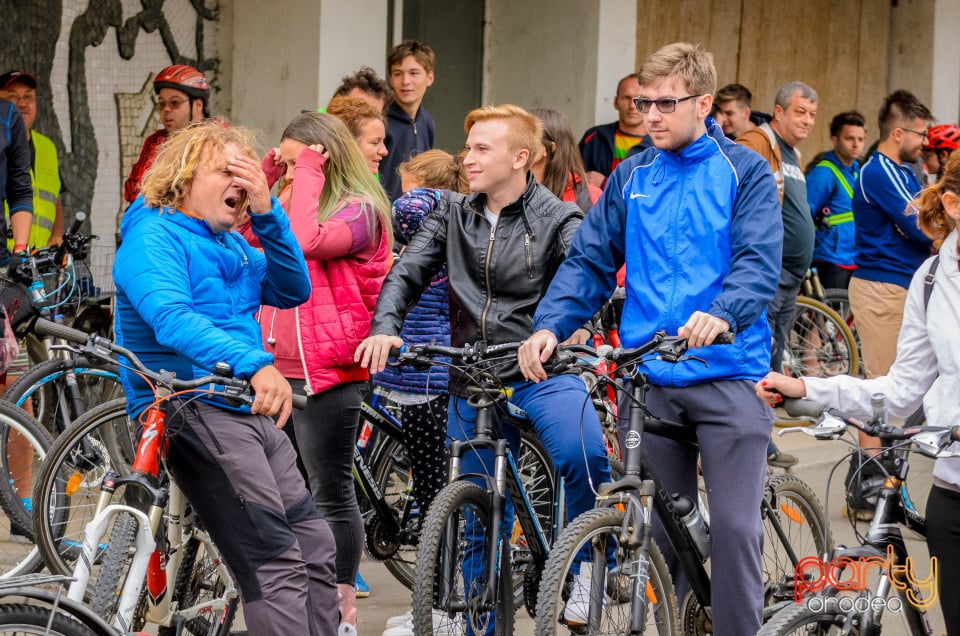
(820, 343)
(798, 619)
(67, 490)
(589, 583)
(23, 446)
(43, 389)
(793, 528)
(452, 591)
(22, 620)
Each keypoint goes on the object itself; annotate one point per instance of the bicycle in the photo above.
(59, 387)
(18, 554)
(825, 612)
(507, 560)
(28, 607)
(630, 586)
(393, 521)
(156, 566)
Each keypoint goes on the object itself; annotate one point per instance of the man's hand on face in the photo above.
(248, 174)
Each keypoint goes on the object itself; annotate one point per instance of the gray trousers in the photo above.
(239, 472)
(733, 427)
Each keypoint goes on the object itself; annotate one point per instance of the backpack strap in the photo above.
(928, 281)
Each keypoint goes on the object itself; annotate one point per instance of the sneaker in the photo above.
(443, 625)
(780, 459)
(393, 621)
(577, 609)
(864, 480)
(360, 587)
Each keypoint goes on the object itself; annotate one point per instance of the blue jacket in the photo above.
(405, 138)
(699, 229)
(187, 297)
(16, 186)
(890, 246)
(836, 243)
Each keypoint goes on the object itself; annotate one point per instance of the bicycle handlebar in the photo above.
(105, 349)
(669, 348)
(831, 423)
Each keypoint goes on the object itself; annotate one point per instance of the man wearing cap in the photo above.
(47, 229)
(182, 94)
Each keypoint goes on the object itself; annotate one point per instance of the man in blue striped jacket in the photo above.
(697, 221)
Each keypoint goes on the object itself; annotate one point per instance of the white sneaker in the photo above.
(577, 609)
(393, 621)
(443, 625)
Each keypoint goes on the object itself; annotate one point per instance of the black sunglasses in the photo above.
(665, 105)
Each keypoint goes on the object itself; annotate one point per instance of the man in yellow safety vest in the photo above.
(21, 89)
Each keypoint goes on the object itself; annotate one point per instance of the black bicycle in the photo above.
(835, 594)
(606, 575)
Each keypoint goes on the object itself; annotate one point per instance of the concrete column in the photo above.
(289, 55)
(945, 102)
(616, 54)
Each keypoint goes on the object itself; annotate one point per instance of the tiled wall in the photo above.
(119, 96)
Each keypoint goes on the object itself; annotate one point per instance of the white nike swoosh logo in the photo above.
(634, 195)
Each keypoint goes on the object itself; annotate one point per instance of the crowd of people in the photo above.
(699, 207)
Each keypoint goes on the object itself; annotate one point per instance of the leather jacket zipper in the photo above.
(486, 272)
(529, 252)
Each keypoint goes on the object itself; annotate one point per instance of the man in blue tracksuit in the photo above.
(697, 221)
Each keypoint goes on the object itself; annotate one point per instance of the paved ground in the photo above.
(389, 598)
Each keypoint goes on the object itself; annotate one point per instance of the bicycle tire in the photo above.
(105, 594)
(796, 619)
(800, 517)
(442, 544)
(66, 492)
(16, 486)
(21, 620)
(197, 579)
(391, 472)
(819, 343)
(42, 384)
(597, 531)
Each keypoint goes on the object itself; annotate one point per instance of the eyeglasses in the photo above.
(922, 133)
(665, 105)
(173, 104)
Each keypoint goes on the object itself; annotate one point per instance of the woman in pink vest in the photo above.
(341, 218)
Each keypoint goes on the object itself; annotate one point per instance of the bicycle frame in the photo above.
(384, 421)
(503, 483)
(884, 533)
(154, 567)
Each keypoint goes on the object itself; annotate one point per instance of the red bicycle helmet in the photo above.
(183, 78)
(943, 137)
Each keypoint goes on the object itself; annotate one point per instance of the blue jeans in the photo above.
(564, 419)
(780, 313)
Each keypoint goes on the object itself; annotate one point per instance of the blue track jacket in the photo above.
(699, 229)
(890, 246)
(187, 296)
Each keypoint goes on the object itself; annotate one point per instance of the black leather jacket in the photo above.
(497, 277)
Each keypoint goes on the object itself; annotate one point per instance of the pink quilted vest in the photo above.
(337, 317)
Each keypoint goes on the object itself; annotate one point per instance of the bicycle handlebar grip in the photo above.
(725, 338)
(46, 327)
(797, 407)
(299, 401)
(77, 222)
